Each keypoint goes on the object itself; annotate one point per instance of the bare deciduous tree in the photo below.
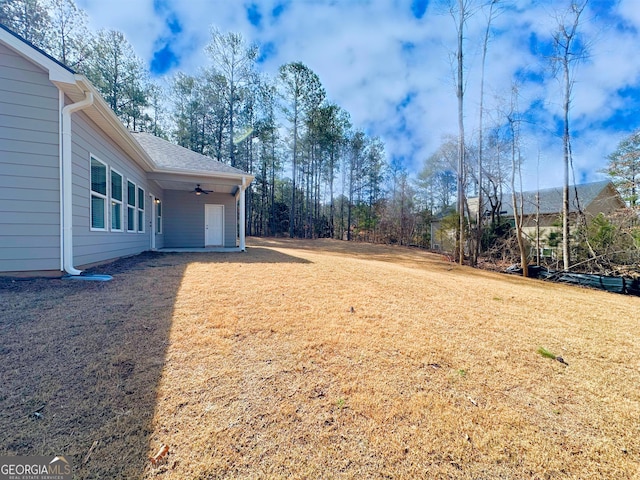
(624, 169)
(568, 51)
(462, 14)
(517, 199)
(480, 212)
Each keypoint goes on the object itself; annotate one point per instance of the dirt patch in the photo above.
(320, 359)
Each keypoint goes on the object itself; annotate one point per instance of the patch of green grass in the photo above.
(546, 353)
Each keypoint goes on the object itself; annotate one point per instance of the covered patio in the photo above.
(202, 203)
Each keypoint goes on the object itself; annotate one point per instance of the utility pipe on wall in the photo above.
(67, 183)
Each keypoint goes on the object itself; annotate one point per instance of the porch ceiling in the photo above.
(205, 184)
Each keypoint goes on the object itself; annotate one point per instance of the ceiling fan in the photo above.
(200, 191)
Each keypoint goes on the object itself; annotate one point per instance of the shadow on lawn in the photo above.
(82, 361)
(81, 364)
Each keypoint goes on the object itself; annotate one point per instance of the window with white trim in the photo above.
(116, 201)
(140, 210)
(98, 206)
(131, 206)
(158, 216)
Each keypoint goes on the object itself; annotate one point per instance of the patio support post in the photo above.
(242, 214)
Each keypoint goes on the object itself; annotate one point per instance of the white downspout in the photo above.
(61, 200)
(67, 183)
(242, 214)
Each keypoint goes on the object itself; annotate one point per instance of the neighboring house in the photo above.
(543, 208)
(76, 187)
(442, 239)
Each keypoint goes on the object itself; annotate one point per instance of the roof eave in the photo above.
(107, 120)
(209, 174)
(75, 86)
(57, 71)
(118, 127)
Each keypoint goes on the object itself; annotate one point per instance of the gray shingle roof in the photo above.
(551, 198)
(167, 155)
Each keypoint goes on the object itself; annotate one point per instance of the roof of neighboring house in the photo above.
(550, 199)
(168, 156)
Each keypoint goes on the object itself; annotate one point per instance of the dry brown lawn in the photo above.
(320, 359)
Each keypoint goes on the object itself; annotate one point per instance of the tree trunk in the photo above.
(350, 202)
(518, 213)
(563, 43)
(518, 207)
(566, 249)
(292, 213)
(461, 145)
(273, 182)
(331, 205)
(480, 212)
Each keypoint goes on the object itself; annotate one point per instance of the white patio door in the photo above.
(213, 225)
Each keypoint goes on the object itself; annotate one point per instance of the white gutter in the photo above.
(66, 207)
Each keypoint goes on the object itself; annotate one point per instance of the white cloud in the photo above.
(629, 10)
(137, 20)
(356, 48)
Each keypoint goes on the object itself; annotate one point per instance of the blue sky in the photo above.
(388, 62)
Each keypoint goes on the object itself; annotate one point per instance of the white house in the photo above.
(542, 209)
(77, 187)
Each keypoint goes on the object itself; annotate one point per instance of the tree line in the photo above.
(487, 165)
(315, 174)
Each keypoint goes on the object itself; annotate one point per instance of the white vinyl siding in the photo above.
(91, 247)
(98, 195)
(116, 201)
(131, 206)
(140, 210)
(183, 216)
(29, 172)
